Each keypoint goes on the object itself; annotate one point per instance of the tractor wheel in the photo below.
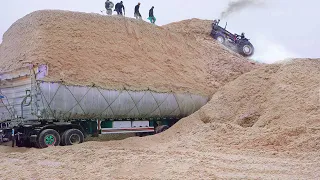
(48, 137)
(245, 48)
(72, 136)
(220, 38)
(161, 129)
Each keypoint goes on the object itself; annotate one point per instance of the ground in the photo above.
(133, 158)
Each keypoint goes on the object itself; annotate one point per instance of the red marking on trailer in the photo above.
(99, 125)
(127, 129)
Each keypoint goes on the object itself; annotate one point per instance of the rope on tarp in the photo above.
(107, 103)
(158, 105)
(78, 102)
(135, 104)
(111, 104)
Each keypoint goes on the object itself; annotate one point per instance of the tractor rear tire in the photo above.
(245, 49)
(72, 136)
(161, 129)
(48, 137)
(220, 38)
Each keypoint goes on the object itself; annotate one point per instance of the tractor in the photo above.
(235, 42)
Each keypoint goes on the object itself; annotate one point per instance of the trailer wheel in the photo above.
(62, 143)
(48, 137)
(72, 136)
(161, 129)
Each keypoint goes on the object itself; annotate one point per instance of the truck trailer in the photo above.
(38, 113)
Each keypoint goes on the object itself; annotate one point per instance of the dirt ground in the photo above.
(136, 158)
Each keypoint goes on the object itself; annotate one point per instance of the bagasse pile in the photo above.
(276, 107)
(117, 52)
(275, 95)
(191, 27)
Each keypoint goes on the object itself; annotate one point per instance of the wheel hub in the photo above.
(50, 140)
(247, 49)
(220, 39)
(75, 139)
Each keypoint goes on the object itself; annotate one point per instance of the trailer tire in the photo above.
(62, 143)
(48, 137)
(72, 136)
(161, 129)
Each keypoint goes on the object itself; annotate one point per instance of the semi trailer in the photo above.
(38, 113)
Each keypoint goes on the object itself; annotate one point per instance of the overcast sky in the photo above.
(278, 29)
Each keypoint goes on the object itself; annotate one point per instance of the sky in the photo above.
(279, 29)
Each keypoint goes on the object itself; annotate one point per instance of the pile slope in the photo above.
(273, 108)
(116, 52)
(225, 64)
(272, 96)
(191, 27)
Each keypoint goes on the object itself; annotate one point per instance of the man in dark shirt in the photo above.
(109, 5)
(119, 6)
(137, 14)
(151, 16)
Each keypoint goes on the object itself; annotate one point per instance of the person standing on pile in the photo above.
(151, 16)
(109, 5)
(119, 6)
(137, 14)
